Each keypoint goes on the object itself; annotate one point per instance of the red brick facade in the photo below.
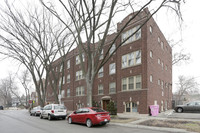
(157, 91)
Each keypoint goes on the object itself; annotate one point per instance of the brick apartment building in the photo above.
(138, 75)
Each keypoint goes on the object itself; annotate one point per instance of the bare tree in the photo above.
(92, 21)
(25, 82)
(186, 86)
(35, 39)
(179, 56)
(5, 93)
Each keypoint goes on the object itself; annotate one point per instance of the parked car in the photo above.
(52, 111)
(36, 111)
(189, 107)
(1, 107)
(89, 116)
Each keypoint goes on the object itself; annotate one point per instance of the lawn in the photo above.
(188, 125)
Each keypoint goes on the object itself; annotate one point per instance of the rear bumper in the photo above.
(58, 116)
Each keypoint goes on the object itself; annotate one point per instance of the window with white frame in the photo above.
(80, 91)
(78, 61)
(61, 68)
(159, 82)
(166, 67)
(151, 54)
(131, 83)
(112, 49)
(151, 78)
(68, 92)
(162, 45)
(100, 89)
(63, 79)
(162, 64)
(138, 82)
(63, 94)
(101, 55)
(129, 33)
(151, 29)
(79, 75)
(158, 39)
(68, 78)
(100, 73)
(112, 68)
(56, 69)
(68, 64)
(131, 59)
(158, 61)
(112, 88)
(162, 85)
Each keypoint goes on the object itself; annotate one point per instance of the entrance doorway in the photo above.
(105, 103)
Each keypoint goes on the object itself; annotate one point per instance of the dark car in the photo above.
(1, 107)
(89, 116)
(189, 107)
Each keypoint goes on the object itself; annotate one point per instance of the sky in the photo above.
(189, 34)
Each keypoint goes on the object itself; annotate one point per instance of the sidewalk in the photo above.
(138, 118)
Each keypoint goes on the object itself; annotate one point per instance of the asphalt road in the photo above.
(19, 121)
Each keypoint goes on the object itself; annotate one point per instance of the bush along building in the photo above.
(139, 74)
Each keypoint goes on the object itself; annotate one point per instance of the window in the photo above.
(166, 67)
(79, 75)
(158, 61)
(131, 83)
(101, 55)
(100, 73)
(68, 92)
(158, 39)
(100, 89)
(112, 68)
(162, 84)
(112, 88)
(68, 78)
(112, 49)
(159, 82)
(162, 45)
(129, 33)
(68, 64)
(151, 78)
(61, 68)
(162, 65)
(151, 29)
(56, 69)
(131, 59)
(63, 79)
(80, 91)
(138, 82)
(78, 61)
(151, 54)
(63, 94)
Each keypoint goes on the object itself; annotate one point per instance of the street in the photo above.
(19, 121)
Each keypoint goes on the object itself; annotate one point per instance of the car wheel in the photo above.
(49, 117)
(41, 116)
(30, 114)
(179, 110)
(70, 120)
(35, 114)
(89, 123)
(64, 118)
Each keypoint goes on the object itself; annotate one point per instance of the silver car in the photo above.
(36, 111)
(54, 111)
(189, 107)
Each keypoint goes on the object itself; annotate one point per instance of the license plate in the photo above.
(105, 120)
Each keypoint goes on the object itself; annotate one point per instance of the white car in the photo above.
(54, 111)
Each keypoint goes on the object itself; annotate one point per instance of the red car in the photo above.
(89, 116)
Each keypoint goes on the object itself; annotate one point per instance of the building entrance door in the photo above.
(105, 102)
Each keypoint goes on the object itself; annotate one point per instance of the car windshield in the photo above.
(98, 110)
(59, 107)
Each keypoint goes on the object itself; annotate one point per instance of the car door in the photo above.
(197, 106)
(83, 115)
(77, 114)
(190, 106)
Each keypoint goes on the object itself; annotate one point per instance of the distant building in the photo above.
(138, 75)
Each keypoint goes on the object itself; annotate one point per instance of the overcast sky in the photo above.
(170, 28)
